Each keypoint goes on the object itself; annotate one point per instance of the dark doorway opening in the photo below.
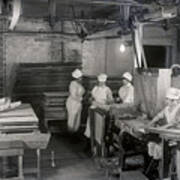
(155, 56)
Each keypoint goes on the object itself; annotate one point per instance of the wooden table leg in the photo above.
(38, 164)
(4, 166)
(162, 160)
(165, 160)
(53, 159)
(20, 167)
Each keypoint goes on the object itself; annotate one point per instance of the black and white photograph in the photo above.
(89, 89)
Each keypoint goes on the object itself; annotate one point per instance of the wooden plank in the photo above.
(11, 152)
(11, 144)
(18, 129)
(30, 170)
(19, 119)
(171, 131)
(52, 11)
(55, 94)
(22, 113)
(33, 140)
(55, 64)
(7, 120)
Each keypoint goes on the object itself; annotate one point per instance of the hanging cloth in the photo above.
(163, 84)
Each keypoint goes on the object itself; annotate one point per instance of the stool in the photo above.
(132, 175)
(14, 152)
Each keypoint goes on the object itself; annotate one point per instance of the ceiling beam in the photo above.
(117, 3)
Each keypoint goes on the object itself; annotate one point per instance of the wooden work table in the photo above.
(128, 120)
(19, 119)
(136, 128)
(19, 130)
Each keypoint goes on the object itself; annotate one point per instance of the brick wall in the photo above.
(34, 41)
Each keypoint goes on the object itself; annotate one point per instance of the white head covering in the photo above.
(102, 77)
(127, 76)
(173, 93)
(77, 73)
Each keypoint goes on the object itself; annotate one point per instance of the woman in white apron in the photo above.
(171, 115)
(126, 92)
(73, 103)
(102, 98)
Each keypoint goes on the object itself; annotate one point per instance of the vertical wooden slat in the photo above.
(16, 6)
(20, 165)
(52, 12)
(62, 52)
(38, 164)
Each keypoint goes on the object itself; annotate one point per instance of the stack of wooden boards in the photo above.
(53, 105)
(20, 119)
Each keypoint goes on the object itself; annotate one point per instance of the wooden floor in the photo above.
(70, 160)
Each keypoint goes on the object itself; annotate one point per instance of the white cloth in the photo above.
(169, 115)
(126, 93)
(102, 78)
(77, 73)
(127, 76)
(74, 106)
(101, 95)
(173, 93)
(155, 150)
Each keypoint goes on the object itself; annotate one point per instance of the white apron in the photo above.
(74, 106)
(154, 149)
(126, 93)
(100, 94)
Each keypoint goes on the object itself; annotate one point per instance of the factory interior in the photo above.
(90, 89)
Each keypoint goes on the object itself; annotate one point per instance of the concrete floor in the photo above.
(71, 163)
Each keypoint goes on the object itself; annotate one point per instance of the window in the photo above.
(156, 56)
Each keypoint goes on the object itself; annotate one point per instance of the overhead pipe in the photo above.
(16, 11)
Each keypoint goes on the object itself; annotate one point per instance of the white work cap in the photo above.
(77, 73)
(173, 93)
(102, 78)
(127, 76)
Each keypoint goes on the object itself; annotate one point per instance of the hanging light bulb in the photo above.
(122, 48)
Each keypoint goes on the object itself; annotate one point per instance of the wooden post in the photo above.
(20, 167)
(38, 164)
(16, 6)
(52, 12)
